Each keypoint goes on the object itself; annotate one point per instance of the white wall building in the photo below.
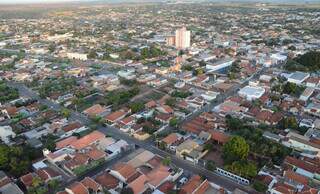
(79, 56)
(6, 133)
(251, 92)
(219, 65)
(298, 77)
(183, 37)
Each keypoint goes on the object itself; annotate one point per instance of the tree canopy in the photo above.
(308, 62)
(235, 149)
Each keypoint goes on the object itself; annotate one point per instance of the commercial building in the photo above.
(182, 40)
(251, 92)
(219, 65)
(298, 77)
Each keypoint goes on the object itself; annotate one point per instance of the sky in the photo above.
(54, 1)
(33, 1)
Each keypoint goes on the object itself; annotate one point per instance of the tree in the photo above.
(235, 149)
(173, 122)
(187, 68)
(208, 146)
(259, 186)
(53, 184)
(66, 113)
(51, 47)
(233, 123)
(171, 101)
(162, 145)
(309, 61)
(50, 143)
(243, 168)
(289, 123)
(202, 63)
(136, 107)
(4, 156)
(210, 165)
(92, 54)
(166, 161)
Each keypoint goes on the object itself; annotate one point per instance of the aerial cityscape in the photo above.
(159, 97)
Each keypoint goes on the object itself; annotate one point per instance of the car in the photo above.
(183, 180)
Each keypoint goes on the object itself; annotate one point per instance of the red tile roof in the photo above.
(87, 140)
(27, 179)
(107, 180)
(78, 188)
(90, 184)
(170, 139)
(292, 176)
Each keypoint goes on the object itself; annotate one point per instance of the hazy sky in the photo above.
(33, 1)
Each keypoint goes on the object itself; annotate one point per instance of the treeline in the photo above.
(7, 93)
(308, 62)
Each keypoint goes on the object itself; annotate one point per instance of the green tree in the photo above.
(49, 142)
(173, 122)
(210, 165)
(243, 168)
(136, 107)
(171, 101)
(4, 156)
(92, 54)
(233, 123)
(259, 186)
(166, 161)
(289, 123)
(235, 149)
(65, 113)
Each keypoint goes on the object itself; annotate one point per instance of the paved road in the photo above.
(148, 145)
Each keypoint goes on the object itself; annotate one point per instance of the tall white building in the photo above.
(182, 39)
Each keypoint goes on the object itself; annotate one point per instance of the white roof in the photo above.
(39, 165)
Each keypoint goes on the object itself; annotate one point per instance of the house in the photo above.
(271, 136)
(10, 111)
(306, 168)
(195, 185)
(302, 143)
(171, 140)
(116, 116)
(116, 148)
(141, 159)
(6, 134)
(47, 174)
(95, 110)
(71, 128)
(219, 137)
(307, 93)
(312, 82)
(26, 180)
(91, 185)
(163, 117)
(298, 77)
(190, 150)
(251, 92)
(139, 184)
(165, 109)
(141, 135)
(88, 140)
(313, 108)
(77, 188)
(7, 186)
(124, 172)
(107, 181)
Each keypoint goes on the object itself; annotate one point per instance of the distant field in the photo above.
(35, 11)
